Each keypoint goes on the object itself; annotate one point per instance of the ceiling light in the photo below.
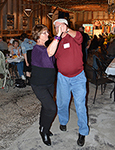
(27, 9)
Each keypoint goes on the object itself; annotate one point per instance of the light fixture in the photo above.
(27, 9)
(28, 12)
(50, 15)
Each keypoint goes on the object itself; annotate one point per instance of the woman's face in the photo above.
(44, 36)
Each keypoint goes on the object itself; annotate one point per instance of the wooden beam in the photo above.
(2, 4)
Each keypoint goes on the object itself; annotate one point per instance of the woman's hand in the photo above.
(59, 31)
(64, 27)
(19, 54)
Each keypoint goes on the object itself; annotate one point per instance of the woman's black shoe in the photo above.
(45, 137)
(50, 133)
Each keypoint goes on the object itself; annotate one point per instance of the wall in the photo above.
(24, 21)
(91, 16)
(14, 19)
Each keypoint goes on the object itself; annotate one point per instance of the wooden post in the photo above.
(17, 15)
(41, 13)
(3, 4)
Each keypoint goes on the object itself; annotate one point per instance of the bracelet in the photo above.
(56, 40)
(57, 37)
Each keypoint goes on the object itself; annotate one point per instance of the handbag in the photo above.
(19, 83)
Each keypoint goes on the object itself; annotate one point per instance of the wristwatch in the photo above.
(67, 30)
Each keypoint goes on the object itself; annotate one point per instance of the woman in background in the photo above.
(17, 51)
(27, 47)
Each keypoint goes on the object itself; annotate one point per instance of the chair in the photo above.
(5, 52)
(5, 77)
(95, 77)
(105, 60)
(100, 65)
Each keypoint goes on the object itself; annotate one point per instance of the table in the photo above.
(16, 60)
(13, 63)
(110, 70)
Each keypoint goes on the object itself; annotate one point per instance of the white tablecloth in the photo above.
(18, 59)
(111, 68)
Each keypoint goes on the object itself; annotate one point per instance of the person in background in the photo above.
(43, 77)
(101, 41)
(111, 49)
(10, 44)
(71, 78)
(3, 45)
(94, 44)
(27, 46)
(85, 44)
(17, 51)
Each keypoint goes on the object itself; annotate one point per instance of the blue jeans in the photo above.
(76, 85)
(20, 67)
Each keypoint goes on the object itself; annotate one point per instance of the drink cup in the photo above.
(10, 55)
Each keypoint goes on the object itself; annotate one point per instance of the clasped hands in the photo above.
(62, 29)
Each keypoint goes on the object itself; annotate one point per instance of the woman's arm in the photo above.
(12, 52)
(18, 51)
(53, 46)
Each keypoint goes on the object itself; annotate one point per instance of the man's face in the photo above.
(80, 29)
(57, 24)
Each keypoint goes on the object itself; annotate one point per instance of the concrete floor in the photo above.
(19, 113)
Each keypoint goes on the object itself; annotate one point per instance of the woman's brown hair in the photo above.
(37, 30)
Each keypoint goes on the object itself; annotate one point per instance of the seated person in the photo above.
(17, 51)
(94, 44)
(10, 46)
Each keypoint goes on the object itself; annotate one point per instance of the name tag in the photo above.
(67, 45)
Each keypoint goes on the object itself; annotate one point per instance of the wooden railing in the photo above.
(12, 33)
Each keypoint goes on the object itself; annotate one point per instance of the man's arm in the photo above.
(71, 32)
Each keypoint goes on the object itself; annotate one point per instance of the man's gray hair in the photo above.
(61, 20)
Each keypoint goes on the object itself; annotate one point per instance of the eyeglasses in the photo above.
(46, 32)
